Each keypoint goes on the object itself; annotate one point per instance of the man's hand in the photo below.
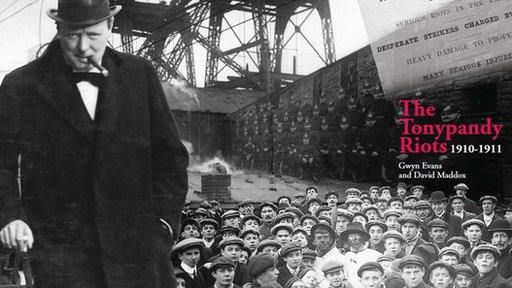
(17, 234)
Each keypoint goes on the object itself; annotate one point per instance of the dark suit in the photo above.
(92, 191)
(486, 235)
(284, 275)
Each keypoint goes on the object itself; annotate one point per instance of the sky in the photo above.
(25, 30)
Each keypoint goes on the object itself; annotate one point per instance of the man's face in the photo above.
(386, 193)
(508, 216)
(251, 223)
(423, 212)
(251, 241)
(460, 192)
(232, 251)
(413, 275)
(400, 192)
(372, 279)
(307, 224)
(354, 207)
(459, 248)
(244, 257)
(438, 234)
(500, 239)
(283, 236)
(311, 193)
(355, 240)
(418, 192)
(439, 207)
(457, 205)
(440, 277)
(332, 200)
(392, 222)
(449, 259)
(284, 200)
(224, 276)
(463, 281)
(208, 231)
(409, 230)
(393, 246)
(397, 205)
(374, 193)
(190, 231)
(375, 234)
(372, 214)
(268, 214)
(270, 249)
(323, 240)
(335, 278)
(488, 207)
(190, 257)
(79, 43)
(485, 262)
(293, 259)
(473, 233)
(232, 221)
(300, 239)
(341, 224)
(313, 207)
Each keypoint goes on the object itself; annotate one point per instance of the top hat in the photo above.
(82, 12)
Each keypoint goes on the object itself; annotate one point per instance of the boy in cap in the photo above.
(231, 218)
(282, 233)
(186, 256)
(209, 228)
(371, 275)
(262, 268)
(463, 276)
(473, 232)
(311, 192)
(251, 221)
(441, 275)
(439, 204)
(331, 198)
(461, 190)
(417, 190)
(376, 229)
(190, 229)
(394, 244)
(449, 256)
(309, 257)
(485, 258)
(462, 246)
(401, 190)
(251, 239)
(458, 208)
(292, 255)
(334, 275)
(223, 271)
(324, 239)
(412, 269)
(391, 219)
(231, 248)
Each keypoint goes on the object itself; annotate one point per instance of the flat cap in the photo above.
(344, 213)
(448, 251)
(221, 261)
(281, 226)
(421, 187)
(488, 197)
(421, 204)
(294, 210)
(309, 254)
(322, 209)
(392, 212)
(393, 234)
(187, 244)
(461, 186)
(313, 200)
(249, 231)
(353, 191)
(471, 222)
(201, 211)
(409, 217)
(463, 269)
(268, 242)
(381, 189)
(250, 217)
(332, 266)
(231, 214)
(209, 221)
(371, 223)
(353, 201)
(370, 266)
(269, 204)
(438, 264)
(231, 241)
(411, 260)
(371, 207)
(386, 257)
(460, 240)
(259, 264)
(401, 184)
(232, 229)
(437, 223)
(246, 202)
(485, 248)
(299, 229)
(284, 215)
(382, 199)
(331, 193)
(394, 199)
(190, 221)
(289, 248)
(361, 214)
(308, 216)
(411, 197)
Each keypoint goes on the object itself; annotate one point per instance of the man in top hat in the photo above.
(461, 190)
(103, 183)
(488, 215)
(359, 253)
(457, 207)
(501, 238)
(439, 203)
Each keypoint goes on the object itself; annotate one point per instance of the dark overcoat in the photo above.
(92, 191)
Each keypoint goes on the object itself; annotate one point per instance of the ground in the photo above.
(260, 186)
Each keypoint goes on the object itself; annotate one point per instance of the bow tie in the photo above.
(95, 79)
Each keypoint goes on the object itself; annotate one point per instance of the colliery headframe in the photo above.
(171, 28)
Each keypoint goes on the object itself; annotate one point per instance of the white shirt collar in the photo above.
(188, 269)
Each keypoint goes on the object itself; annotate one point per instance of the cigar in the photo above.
(102, 69)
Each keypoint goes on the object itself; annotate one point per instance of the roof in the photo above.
(209, 99)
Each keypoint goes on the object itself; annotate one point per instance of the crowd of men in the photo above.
(380, 237)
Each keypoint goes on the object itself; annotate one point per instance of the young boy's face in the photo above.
(224, 276)
(232, 251)
(463, 281)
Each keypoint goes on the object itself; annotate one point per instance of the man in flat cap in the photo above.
(103, 170)
(473, 232)
(441, 275)
(231, 248)
(186, 256)
(501, 237)
(458, 208)
(334, 275)
(488, 215)
(267, 212)
(461, 190)
(412, 269)
(485, 258)
(223, 271)
(371, 275)
(438, 232)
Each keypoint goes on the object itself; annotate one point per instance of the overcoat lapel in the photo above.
(60, 93)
